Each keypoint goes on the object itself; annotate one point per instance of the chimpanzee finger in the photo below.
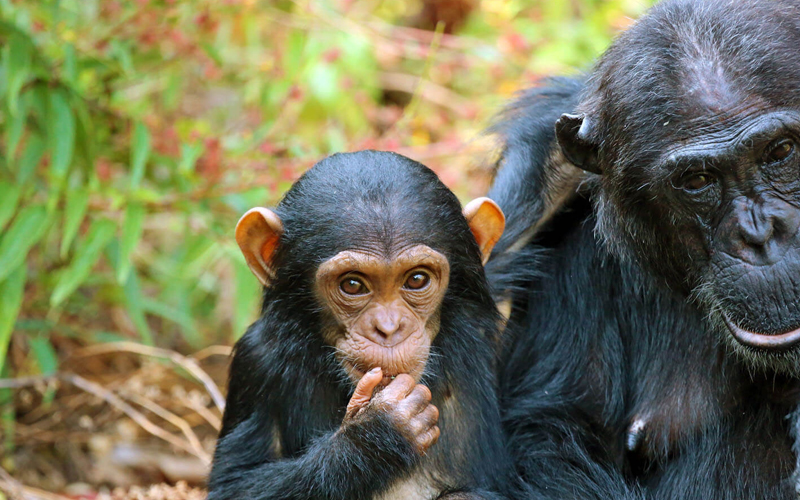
(399, 388)
(428, 439)
(418, 400)
(425, 420)
(363, 392)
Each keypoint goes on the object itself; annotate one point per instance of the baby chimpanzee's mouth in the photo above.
(356, 372)
(770, 342)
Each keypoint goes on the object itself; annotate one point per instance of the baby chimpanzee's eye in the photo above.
(352, 286)
(417, 281)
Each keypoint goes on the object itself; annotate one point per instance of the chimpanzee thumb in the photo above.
(363, 392)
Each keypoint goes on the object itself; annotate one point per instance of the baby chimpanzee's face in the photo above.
(383, 310)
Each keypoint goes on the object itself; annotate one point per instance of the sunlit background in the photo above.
(135, 133)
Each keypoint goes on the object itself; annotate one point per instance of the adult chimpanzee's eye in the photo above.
(697, 182)
(782, 150)
(352, 286)
(417, 281)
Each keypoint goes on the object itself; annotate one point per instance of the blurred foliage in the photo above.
(135, 132)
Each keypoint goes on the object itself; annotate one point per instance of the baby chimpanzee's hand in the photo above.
(406, 403)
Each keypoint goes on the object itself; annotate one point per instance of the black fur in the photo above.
(618, 383)
(287, 393)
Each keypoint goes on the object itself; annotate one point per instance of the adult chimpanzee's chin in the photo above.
(754, 339)
(757, 295)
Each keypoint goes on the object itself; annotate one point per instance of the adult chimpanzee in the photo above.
(373, 279)
(656, 355)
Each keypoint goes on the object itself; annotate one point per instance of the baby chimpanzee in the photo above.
(375, 341)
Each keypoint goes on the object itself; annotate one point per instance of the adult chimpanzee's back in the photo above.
(654, 353)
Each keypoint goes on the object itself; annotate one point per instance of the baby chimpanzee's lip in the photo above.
(770, 342)
(387, 377)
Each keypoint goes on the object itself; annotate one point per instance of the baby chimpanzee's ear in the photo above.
(258, 233)
(487, 222)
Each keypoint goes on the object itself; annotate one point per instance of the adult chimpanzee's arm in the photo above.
(553, 395)
(557, 463)
(564, 378)
(534, 181)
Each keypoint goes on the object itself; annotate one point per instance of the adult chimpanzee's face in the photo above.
(715, 211)
(738, 188)
(694, 134)
(383, 308)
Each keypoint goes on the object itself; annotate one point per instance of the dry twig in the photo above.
(213, 420)
(17, 491)
(175, 420)
(187, 363)
(427, 90)
(213, 350)
(112, 399)
(130, 411)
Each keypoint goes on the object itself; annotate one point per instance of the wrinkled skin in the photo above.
(383, 311)
(734, 194)
(407, 404)
(712, 205)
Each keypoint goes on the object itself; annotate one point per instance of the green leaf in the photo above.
(34, 150)
(75, 210)
(45, 354)
(122, 54)
(85, 137)
(60, 135)
(19, 53)
(172, 92)
(190, 153)
(9, 197)
(39, 102)
(140, 151)
(11, 289)
(15, 128)
(28, 227)
(69, 71)
(179, 316)
(213, 53)
(100, 233)
(293, 54)
(131, 234)
(135, 308)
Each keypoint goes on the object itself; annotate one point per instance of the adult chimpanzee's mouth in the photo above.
(771, 342)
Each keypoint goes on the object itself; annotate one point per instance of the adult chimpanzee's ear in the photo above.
(258, 233)
(487, 222)
(574, 136)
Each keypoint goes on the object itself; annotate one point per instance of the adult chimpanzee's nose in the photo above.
(764, 226)
(755, 224)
